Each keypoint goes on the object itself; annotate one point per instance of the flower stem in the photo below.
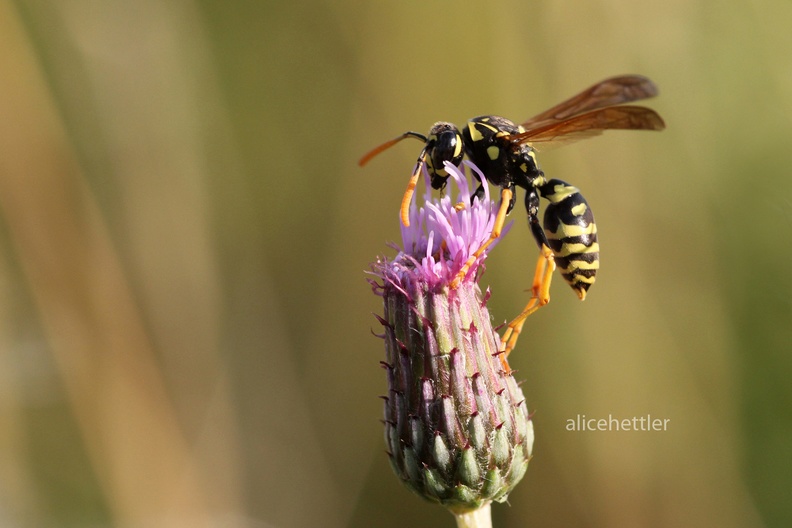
(480, 518)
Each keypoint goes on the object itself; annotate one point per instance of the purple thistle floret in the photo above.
(457, 427)
(440, 238)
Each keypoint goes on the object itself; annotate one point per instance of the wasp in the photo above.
(505, 153)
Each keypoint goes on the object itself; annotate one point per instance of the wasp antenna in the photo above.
(407, 198)
(388, 144)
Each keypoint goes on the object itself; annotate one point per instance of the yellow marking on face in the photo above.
(458, 149)
(493, 152)
(579, 209)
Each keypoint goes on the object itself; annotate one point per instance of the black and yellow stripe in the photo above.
(487, 144)
(571, 234)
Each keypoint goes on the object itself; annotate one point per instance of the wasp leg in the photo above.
(540, 290)
(507, 198)
(540, 295)
(408, 194)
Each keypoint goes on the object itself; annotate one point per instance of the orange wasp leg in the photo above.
(408, 194)
(540, 290)
(506, 197)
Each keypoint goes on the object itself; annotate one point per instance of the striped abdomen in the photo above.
(572, 234)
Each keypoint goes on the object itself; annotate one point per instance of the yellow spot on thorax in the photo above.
(475, 135)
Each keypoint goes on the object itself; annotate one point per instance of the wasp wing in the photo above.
(591, 124)
(610, 92)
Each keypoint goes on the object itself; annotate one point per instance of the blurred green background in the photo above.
(185, 323)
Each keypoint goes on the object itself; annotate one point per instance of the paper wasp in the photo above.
(506, 154)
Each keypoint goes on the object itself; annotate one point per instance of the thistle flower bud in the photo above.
(457, 428)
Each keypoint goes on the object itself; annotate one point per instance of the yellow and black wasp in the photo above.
(505, 154)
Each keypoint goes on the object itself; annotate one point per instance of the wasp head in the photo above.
(443, 144)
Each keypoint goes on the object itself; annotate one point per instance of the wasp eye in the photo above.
(448, 147)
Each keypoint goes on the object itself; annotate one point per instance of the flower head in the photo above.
(457, 428)
(441, 236)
